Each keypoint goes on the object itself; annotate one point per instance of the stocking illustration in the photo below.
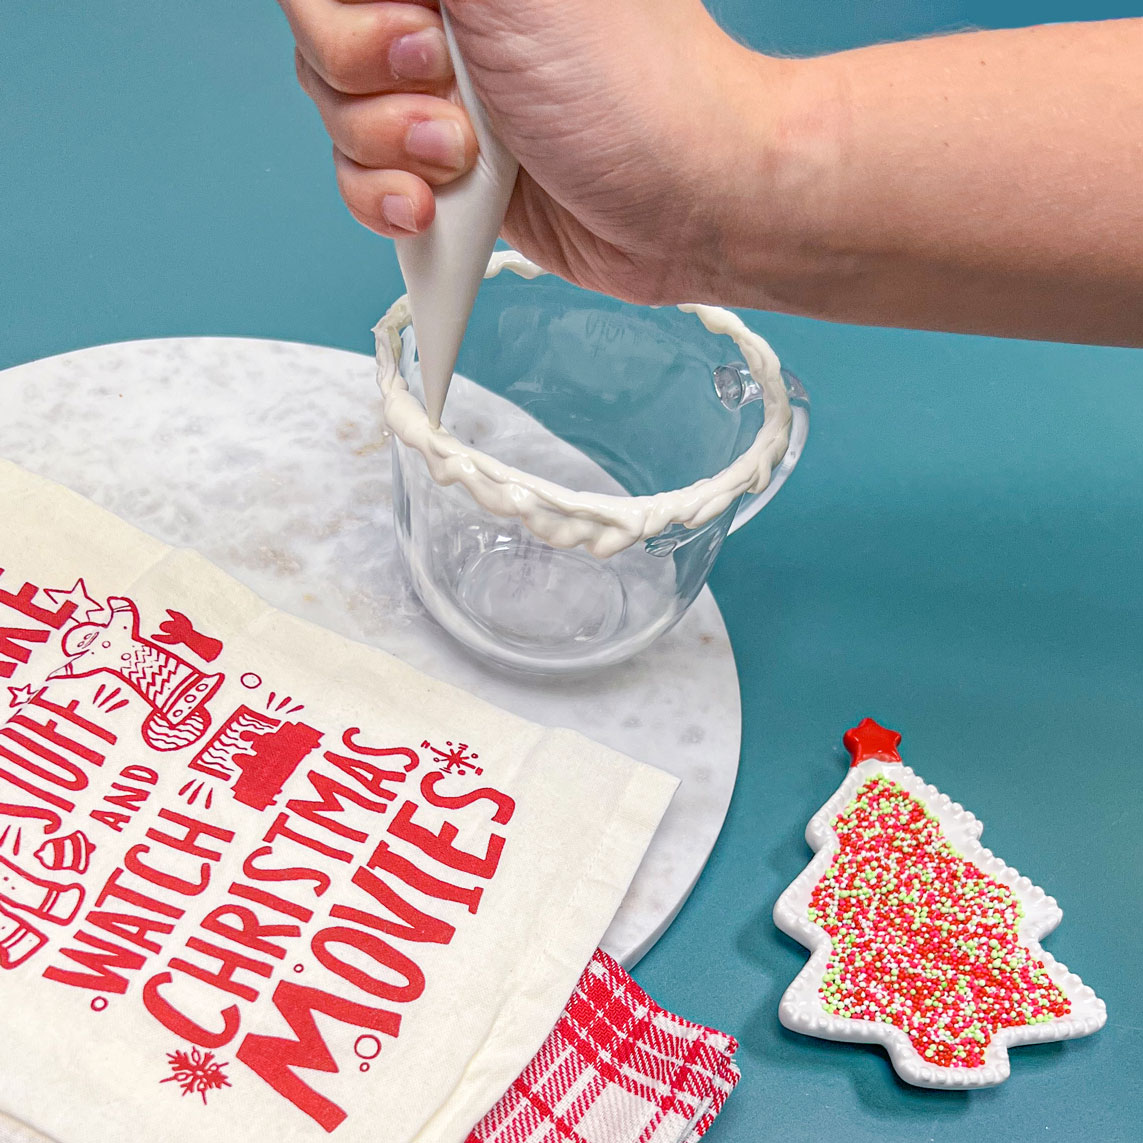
(31, 894)
(176, 691)
(18, 941)
(922, 940)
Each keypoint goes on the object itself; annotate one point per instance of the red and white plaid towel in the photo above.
(617, 1069)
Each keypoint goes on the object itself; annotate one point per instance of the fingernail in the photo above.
(398, 211)
(421, 55)
(437, 141)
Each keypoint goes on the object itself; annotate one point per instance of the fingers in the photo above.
(380, 76)
(427, 136)
(394, 203)
(368, 46)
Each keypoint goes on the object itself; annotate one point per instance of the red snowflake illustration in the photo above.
(457, 756)
(196, 1072)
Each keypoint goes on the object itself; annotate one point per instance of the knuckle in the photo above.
(342, 61)
(355, 48)
(359, 138)
(361, 200)
(367, 135)
(354, 197)
(355, 141)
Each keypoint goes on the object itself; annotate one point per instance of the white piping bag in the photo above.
(444, 265)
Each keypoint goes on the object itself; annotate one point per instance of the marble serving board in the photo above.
(270, 459)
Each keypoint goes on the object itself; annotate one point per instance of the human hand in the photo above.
(627, 119)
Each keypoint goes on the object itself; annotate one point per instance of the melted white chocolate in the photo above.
(603, 524)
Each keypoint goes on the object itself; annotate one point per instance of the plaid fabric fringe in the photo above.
(616, 1069)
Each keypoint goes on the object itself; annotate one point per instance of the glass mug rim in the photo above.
(603, 523)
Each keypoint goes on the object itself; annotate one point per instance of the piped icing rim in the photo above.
(801, 1008)
(603, 524)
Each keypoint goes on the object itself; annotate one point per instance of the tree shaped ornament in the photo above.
(922, 939)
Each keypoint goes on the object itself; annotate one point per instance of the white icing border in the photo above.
(603, 524)
(801, 1009)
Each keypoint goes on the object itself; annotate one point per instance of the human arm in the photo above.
(989, 182)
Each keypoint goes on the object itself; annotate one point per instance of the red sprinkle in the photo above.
(922, 938)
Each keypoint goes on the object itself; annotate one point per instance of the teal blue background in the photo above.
(960, 555)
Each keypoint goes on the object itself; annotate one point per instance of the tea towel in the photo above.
(616, 1069)
(258, 881)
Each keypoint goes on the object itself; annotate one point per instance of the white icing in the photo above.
(444, 265)
(603, 524)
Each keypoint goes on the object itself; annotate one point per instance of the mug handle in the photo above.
(751, 505)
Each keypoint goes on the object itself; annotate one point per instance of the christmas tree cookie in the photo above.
(922, 939)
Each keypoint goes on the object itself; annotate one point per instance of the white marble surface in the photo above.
(269, 459)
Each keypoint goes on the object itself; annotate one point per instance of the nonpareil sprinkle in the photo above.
(922, 938)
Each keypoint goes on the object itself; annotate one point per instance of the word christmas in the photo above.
(336, 858)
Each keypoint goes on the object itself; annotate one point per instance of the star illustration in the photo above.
(869, 739)
(85, 606)
(20, 695)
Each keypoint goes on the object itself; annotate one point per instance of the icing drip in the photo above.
(565, 518)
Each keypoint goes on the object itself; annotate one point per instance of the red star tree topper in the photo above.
(922, 940)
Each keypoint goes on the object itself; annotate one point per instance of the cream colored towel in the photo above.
(259, 882)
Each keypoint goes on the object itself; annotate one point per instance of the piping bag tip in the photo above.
(444, 266)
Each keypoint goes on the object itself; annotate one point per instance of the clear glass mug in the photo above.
(594, 395)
